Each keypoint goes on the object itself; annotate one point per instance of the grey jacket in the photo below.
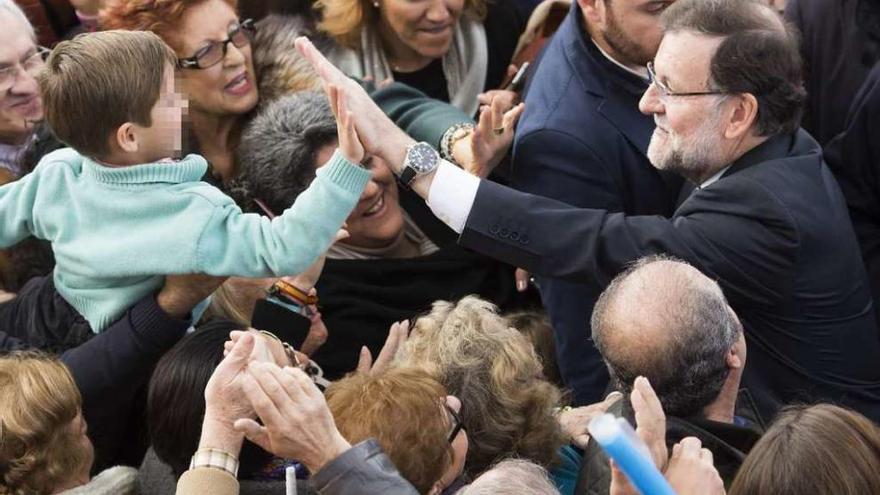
(364, 469)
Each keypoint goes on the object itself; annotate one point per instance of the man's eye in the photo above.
(657, 8)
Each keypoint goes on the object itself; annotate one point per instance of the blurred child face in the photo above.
(163, 138)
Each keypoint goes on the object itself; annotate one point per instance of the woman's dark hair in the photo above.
(278, 149)
(759, 55)
(176, 399)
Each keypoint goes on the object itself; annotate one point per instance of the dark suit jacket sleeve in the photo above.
(749, 245)
(112, 368)
(423, 118)
(554, 164)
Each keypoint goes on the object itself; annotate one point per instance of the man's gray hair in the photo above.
(15, 11)
(688, 368)
(278, 149)
(512, 477)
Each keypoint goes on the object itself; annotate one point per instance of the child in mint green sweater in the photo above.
(120, 214)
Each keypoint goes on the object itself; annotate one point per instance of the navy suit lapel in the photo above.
(618, 90)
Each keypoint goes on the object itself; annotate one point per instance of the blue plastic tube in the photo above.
(620, 442)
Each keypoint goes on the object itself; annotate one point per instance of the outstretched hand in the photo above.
(373, 127)
(397, 337)
(491, 138)
(349, 142)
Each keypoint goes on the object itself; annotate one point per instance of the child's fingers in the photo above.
(333, 96)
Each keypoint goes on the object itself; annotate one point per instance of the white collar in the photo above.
(634, 69)
(714, 178)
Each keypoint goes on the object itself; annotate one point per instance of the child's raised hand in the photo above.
(349, 142)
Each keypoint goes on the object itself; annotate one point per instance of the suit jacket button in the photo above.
(524, 240)
(514, 236)
(494, 229)
(504, 234)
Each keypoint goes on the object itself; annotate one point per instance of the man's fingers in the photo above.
(307, 390)
(706, 456)
(522, 279)
(254, 432)
(242, 349)
(581, 440)
(260, 401)
(266, 378)
(512, 116)
(497, 109)
(647, 392)
(321, 65)
(484, 124)
(690, 447)
(365, 361)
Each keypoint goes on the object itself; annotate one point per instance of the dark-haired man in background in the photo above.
(583, 141)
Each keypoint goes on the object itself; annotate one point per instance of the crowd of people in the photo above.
(417, 246)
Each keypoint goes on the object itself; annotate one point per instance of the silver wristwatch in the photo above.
(421, 158)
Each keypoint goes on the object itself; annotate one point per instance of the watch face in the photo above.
(422, 158)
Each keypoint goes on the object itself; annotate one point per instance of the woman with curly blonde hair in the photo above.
(451, 50)
(43, 444)
(493, 369)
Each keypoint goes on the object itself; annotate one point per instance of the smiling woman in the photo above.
(451, 50)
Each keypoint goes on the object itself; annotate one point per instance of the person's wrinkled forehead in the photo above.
(16, 37)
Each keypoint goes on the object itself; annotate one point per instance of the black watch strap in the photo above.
(407, 176)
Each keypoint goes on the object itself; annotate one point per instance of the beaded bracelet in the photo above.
(452, 136)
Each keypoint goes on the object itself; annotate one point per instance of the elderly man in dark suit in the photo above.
(583, 141)
(766, 219)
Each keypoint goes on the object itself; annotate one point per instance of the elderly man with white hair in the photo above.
(20, 106)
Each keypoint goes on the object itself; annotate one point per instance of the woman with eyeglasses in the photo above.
(216, 70)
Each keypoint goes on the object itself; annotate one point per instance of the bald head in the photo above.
(665, 320)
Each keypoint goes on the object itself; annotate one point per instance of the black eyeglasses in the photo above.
(241, 36)
(666, 92)
(457, 425)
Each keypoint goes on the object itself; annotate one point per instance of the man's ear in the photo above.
(734, 360)
(594, 11)
(741, 117)
(126, 138)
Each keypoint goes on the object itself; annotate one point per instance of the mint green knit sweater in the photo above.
(117, 231)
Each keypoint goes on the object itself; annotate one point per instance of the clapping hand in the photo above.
(297, 424)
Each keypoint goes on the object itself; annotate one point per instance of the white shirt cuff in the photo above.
(452, 195)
